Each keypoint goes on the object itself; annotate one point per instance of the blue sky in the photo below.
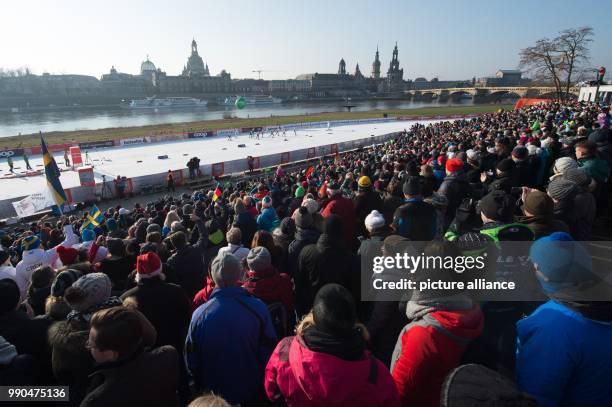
(444, 38)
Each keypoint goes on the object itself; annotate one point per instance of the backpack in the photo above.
(278, 314)
(475, 385)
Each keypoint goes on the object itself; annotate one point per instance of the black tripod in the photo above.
(106, 192)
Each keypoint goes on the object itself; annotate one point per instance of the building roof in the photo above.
(510, 71)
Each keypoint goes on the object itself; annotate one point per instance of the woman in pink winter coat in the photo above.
(326, 363)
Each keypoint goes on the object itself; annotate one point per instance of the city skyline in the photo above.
(275, 37)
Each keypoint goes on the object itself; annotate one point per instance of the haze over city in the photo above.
(451, 40)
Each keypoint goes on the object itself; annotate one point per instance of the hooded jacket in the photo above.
(302, 377)
(35, 258)
(268, 220)
(271, 286)
(431, 345)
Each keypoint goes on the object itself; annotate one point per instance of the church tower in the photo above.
(358, 74)
(395, 74)
(376, 66)
(342, 67)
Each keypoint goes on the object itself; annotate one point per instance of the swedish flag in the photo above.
(94, 218)
(52, 173)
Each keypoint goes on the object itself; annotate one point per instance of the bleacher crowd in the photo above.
(250, 293)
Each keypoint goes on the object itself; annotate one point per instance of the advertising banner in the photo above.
(96, 144)
(11, 153)
(132, 141)
(86, 177)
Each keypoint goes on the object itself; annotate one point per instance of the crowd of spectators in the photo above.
(254, 297)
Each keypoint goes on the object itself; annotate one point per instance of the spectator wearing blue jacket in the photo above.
(230, 338)
(563, 349)
(267, 219)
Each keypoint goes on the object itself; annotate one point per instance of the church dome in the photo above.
(147, 66)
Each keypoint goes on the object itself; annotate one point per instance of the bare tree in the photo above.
(544, 61)
(573, 45)
(560, 59)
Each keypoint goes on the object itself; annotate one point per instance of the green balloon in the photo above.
(240, 102)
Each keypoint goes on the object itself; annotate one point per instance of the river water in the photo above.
(12, 124)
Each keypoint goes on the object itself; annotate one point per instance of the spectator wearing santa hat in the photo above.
(455, 187)
(67, 255)
(165, 305)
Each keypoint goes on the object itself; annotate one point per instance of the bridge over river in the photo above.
(488, 93)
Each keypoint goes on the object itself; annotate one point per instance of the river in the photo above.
(12, 124)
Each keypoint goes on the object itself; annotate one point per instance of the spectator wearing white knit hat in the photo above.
(377, 231)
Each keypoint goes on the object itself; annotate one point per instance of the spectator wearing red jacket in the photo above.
(440, 327)
(265, 282)
(326, 363)
(343, 207)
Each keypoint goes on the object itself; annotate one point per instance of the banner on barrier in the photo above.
(228, 132)
(201, 134)
(249, 129)
(132, 141)
(33, 203)
(96, 144)
(11, 153)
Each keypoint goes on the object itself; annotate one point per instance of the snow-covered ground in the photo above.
(142, 159)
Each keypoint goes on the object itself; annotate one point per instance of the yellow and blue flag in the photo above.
(94, 218)
(52, 173)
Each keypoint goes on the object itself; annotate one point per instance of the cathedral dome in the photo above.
(147, 66)
(195, 65)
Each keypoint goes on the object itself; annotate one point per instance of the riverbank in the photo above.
(80, 136)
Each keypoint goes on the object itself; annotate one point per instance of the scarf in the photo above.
(85, 316)
(350, 347)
